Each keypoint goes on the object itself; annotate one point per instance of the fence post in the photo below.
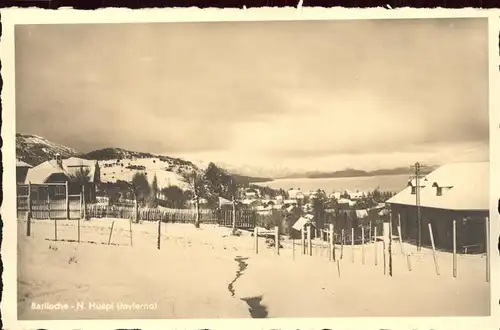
(130, 230)
(81, 204)
(277, 239)
(111, 232)
(399, 224)
(30, 206)
(363, 245)
(67, 199)
(48, 203)
(331, 246)
(136, 211)
(401, 241)
(342, 239)
(55, 219)
(159, 234)
(487, 232)
(84, 202)
(454, 248)
(309, 243)
(234, 217)
(433, 249)
(334, 247)
(352, 244)
(303, 240)
(386, 233)
(408, 261)
(28, 214)
(390, 245)
(256, 236)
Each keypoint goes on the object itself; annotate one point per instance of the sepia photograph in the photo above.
(253, 169)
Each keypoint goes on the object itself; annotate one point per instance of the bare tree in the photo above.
(196, 183)
(139, 188)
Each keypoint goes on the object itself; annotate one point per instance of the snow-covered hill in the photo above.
(167, 173)
(120, 164)
(34, 149)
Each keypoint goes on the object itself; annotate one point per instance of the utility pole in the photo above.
(234, 191)
(417, 170)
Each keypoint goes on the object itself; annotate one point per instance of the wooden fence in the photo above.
(49, 209)
(245, 219)
(149, 214)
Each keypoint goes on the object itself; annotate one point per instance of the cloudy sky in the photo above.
(266, 96)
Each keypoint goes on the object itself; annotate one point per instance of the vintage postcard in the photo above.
(268, 168)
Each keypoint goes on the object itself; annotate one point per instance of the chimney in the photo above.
(59, 160)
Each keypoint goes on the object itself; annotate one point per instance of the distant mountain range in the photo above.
(34, 150)
(350, 173)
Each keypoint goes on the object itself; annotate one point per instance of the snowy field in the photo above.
(205, 273)
(166, 173)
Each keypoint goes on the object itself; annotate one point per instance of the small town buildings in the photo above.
(251, 203)
(77, 172)
(251, 194)
(355, 195)
(336, 195)
(453, 192)
(295, 194)
(290, 202)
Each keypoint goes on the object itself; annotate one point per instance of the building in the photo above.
(336, 195)
(355, 195)
(251, 203)
(458, 191)
(77, 172)
(250, 194)
(21, 171)
(295, 194)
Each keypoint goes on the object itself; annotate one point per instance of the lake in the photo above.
(394, 183)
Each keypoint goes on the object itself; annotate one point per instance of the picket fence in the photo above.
(55, 209)
(244, 218)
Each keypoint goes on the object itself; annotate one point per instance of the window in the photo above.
(413, 190)
(439, 191)
(59, 191)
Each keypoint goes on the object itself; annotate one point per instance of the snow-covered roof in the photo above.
(223, 201)
(301, 222)
(39, 174)
(20, 163)
(249, 201)
(468, 183)
(295, 193)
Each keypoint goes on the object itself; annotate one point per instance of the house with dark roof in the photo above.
(77, 172)
(457, 191)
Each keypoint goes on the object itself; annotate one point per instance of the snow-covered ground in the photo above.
(207, 273)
